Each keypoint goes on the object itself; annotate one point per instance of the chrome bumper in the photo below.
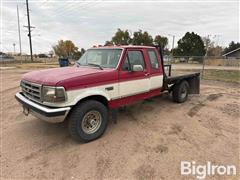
(53, 115)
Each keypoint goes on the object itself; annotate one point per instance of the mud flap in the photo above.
(114, 113)
(194, 85)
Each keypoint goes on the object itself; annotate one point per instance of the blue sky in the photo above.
(89, 23)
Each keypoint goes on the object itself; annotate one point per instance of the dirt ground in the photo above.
(149, 141)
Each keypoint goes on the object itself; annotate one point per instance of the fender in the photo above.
(77, 96)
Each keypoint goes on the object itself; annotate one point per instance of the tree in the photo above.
(121, 38)
(108, 43)
(232, 46)
(191, 44)
(65, 48)
(161, 41)
(166, 51)
(78, 54)
(215, 51)
(82, 51)
(212, 50)
(142, 38)
(207, 42)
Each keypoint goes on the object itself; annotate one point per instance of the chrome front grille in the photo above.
(31, 90)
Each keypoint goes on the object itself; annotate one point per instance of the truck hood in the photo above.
(70, 77)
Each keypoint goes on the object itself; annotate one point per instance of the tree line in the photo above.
(190, 45)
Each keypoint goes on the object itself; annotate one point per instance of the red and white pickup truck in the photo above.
(103, 79)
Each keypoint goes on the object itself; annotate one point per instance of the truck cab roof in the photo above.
(124, 47)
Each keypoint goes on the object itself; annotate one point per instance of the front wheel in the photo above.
(88, 121)
(180, 92)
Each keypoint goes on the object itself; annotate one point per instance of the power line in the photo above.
(69, 8)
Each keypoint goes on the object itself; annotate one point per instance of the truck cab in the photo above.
(103, 79)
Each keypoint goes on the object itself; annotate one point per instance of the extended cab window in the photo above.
(153, 59)
(107, 58)
(133, 58)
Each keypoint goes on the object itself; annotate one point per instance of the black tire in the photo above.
(180, 92)
(77, 116)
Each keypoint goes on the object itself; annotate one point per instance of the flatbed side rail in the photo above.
(169, 66)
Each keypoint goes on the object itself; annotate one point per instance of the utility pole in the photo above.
(29, 31)
(173, 36)
(19, 33)
(173, 42)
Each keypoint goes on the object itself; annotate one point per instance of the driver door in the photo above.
(130, 82)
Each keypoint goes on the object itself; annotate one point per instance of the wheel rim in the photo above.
(91, 122)
(183, 92)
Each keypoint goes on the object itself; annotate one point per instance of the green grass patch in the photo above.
(222, 75)
(232, 76)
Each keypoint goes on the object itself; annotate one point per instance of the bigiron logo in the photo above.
(201, 171)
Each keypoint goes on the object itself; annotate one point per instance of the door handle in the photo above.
(109, 88)
(147, 74)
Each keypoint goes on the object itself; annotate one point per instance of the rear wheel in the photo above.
(88, 121)
(180, 92)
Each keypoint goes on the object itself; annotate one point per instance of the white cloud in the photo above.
(88, 23)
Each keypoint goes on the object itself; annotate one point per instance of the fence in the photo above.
(209, 60)
(207, 66)
(25, 59)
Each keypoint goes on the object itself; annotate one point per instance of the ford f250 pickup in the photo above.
(102, 80)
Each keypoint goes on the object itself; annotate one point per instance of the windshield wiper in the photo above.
(96, 65)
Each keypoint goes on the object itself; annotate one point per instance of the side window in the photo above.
(153, 59)
(133, 58)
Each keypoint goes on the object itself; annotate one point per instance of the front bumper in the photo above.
(53, 115)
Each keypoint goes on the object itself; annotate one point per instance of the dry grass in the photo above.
(37, 65)
(223, 62)
(36, 59)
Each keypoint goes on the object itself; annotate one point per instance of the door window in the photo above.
(133, 58)
(153, 59)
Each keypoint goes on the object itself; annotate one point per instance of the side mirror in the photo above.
(137, 68)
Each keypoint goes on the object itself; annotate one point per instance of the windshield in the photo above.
(106, 58)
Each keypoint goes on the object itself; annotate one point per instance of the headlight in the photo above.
(53, 94)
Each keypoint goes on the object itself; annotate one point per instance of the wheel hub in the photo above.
(91, 122)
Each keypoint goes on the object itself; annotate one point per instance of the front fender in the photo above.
(77, 96)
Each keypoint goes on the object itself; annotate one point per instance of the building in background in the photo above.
(235, 54)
